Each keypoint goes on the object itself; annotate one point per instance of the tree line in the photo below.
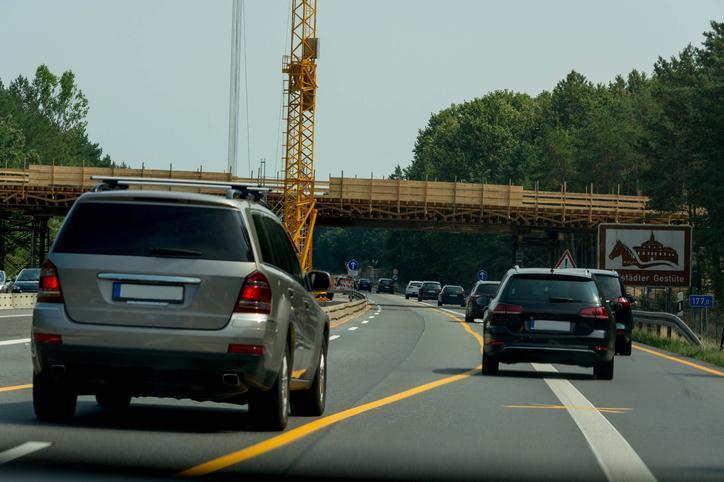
(659, 134)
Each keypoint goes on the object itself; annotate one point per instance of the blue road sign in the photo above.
(353, 265)
(701, 301)
(482, 275)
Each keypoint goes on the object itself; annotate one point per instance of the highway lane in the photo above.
(512, 426)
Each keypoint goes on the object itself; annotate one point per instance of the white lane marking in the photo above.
(17, 316)
(14, 342)
(352, 328)
(364, 322)
(22, 450)
(618, 460)
(333, 337)
(372, 317)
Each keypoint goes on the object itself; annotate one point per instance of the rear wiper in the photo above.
(556, 299)
(174, 252)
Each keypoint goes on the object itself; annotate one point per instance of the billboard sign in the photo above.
(646, 254)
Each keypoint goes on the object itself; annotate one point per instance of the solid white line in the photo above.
(618, 460)
(353, 328)
(17, 316)
(22, 450)
(14, 342)
(333, 337)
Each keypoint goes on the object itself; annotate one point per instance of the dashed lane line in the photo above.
(14, 342)
(22, 450)
(364, 322)
(353, 328)
(333, 337)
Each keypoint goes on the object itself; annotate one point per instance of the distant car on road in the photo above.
(550, 316)
(480, 296)
(385, 285)
(451, 295)
(27, 281)
(614, 290)
(429, 290)
(182, 295)
(412, 288)
(4, 282)
(364, 285)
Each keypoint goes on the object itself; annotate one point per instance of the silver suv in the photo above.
(172, 294)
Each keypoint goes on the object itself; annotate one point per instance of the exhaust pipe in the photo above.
(231, 379)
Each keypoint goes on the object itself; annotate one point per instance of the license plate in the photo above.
(139, 292)
(550, 325)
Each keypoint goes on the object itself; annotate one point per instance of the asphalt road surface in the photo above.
(406, 400)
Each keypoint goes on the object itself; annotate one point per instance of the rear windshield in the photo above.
(416, 284)
(454, 289)
(159, 230)
(431, 286)
(385, 281)
(487, 289)
(549, 289)
(29, 275)
(610, 286)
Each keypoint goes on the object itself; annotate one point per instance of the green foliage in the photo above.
(709, 352)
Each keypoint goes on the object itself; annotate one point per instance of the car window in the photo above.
(32, 274)
(487, 289)
(453, 289)
(430, 286)
(2, 277)
(610, 286)
(161, 229)
(535, 288)
(276, 247)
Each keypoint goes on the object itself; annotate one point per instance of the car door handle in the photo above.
(291, 292)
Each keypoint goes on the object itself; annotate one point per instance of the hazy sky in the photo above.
(156, 73)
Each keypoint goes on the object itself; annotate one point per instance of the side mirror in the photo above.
(319, 281)
(615, 306)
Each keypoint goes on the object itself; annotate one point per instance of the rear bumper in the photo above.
(157, 361)
(427, 296)
(452, 301)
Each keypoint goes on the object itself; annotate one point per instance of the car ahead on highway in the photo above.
(480, 296)
(550, 316)
(4, 282)
(613, 290)
(451, 295)
(364, 285)
(27, 281)
(385, 285)
(412, 288)
(172, 294)
(429, 290)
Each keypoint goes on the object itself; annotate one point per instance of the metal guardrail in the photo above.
(659, 319)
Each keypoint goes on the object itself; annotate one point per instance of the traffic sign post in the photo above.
(566, 260)
(482, 275)
(353, 265)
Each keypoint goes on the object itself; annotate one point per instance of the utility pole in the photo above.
(234, 86)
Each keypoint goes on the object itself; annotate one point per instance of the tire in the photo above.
(269, 410)
(407, 297)
(626, 349)
(311, 402)
(603, 370)
(468, 318)
(439, 303)
(115, 400)
(490, 365)
(52, 401)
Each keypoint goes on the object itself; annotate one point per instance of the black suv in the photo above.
(385, 285)
(429, 290)
(364, 285)
(480, 296)
(613, 290)
(550, 316)
(451, 295)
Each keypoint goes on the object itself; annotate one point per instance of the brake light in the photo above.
(596, 312)
(624, 301)
(506, 309)
(49, 284)
(47, 339)
(600, 348)
(255, 295)
(239, 349)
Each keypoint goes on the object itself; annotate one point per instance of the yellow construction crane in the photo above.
(299, 212)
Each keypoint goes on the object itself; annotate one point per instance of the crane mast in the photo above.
(299, 212)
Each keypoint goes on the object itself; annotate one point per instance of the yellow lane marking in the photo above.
(566, 407)
(680, 360)
(16, 387)
(309, 428)
(305, 430)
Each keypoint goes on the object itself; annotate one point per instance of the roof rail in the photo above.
(234, 190)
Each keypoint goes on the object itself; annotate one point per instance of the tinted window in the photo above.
(487, 289)
(2, 276)
(32, 274)
(610, 286)
(133, 229)
(276, 247)
(547, 288)
(385, 282)
(431, 286)
(453, 289)
(416, 284)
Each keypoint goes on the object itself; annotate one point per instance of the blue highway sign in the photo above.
(482, 275)
(353, 265)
